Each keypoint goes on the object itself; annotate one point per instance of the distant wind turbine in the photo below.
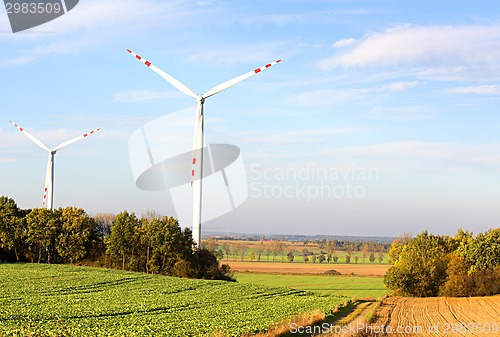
(48, 191)
(198, 143)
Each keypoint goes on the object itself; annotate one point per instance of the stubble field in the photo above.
(439, 316)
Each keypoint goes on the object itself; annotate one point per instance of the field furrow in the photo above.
(440, 316)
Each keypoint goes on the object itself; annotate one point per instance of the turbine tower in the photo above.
(198, 143)
(48, 191)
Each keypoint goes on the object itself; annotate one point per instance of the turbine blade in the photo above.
(31, 137)
(230, 83)
(48, 184)
(71, 141)
(177, 84)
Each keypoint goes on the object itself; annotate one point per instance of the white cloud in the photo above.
(424, 156)
(144, 95)
(491, 89)
(344, 42)
(318, 97)
(237, 54)
(404, 113)
(91, 24)
(434, 46)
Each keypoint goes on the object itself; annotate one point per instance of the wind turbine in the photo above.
(48, 192)
(198, 143)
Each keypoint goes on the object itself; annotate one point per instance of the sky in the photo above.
(382, 117)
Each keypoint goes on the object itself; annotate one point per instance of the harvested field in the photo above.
(439, 316)
(309, 268)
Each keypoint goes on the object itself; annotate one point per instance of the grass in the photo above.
(61, 300)
(350, 286)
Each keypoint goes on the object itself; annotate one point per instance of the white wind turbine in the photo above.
(48, 192)
(198, 143)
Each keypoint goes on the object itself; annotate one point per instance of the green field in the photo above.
(351, 286)
(60, 300)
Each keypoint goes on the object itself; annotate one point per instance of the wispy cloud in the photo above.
(428, 47)
(237, 54)
(76, 31)
(144, 95)
(402, 113)
(342, 95)
(425, 156)
(491, 89)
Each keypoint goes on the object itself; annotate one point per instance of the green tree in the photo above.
(483, 251)
(170, 244)
(43, 227)
(321, 258)
(420, 269)
(76, 228)
(12, 225)
(121, 239)
(397, 246)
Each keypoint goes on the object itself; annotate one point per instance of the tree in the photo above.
(43, 226)
(380, 257)
(321, 258)
(372, 257)
(397, 246)
(290, 256)
(76, 228)
(356, 259)
(242, 247)
(305, 257)
(365, 249)
(120, 241)
(483, 251)
(420, 269)
(12, 225)
(313, 258)
(348, 258)
(259, 249)
(170, 244)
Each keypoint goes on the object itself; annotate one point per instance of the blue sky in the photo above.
(381, 119)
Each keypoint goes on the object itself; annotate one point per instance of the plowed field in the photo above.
(439, 316)
(309, 268)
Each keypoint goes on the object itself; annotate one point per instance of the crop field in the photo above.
(440, 316)
(309, 268)
(351, 286)
(60, 300)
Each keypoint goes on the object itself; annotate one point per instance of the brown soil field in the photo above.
(439, 316)
(308, 268)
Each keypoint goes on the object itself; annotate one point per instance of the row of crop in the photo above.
(62, 299)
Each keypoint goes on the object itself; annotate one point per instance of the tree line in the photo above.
(282, 251)
(151, 244)
(436, 265)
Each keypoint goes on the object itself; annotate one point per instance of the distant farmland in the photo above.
(61, 300)
(351, 286)
(309, 268)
